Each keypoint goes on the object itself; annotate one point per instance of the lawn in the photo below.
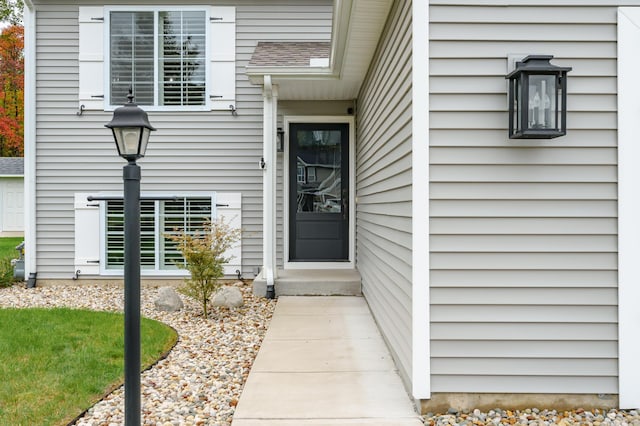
(8, 246)
(55, 363)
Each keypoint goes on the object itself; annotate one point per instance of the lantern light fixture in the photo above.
(280, 139)
(537, 99)
(131, 128)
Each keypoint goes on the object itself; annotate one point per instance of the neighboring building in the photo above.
(495, 268)
(11, 196)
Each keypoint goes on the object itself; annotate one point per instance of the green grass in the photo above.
(55, 363)
(8, 246)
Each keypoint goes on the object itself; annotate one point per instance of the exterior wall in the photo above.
(205, 151)
(523, 232)
(383, 186)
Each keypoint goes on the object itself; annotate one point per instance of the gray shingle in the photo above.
(12, 166)
(288, 54)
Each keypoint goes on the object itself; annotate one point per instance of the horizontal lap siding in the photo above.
(208, 151)
(383, 185)
(523, 244)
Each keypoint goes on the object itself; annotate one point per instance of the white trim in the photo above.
(628, 206)
(30, 140)
(350, 264)
(421, 350)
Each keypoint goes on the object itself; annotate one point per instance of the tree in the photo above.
(11, 11)
(204, 257)
(12, 91)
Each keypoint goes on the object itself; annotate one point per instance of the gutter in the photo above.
(268, 164)
(30, 139)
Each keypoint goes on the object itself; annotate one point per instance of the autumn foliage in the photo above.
(12, 91)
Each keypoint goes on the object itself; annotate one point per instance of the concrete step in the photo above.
(312, 282)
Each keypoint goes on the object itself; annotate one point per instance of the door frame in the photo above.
(350, 264)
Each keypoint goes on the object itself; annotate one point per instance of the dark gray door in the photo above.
(318, 192)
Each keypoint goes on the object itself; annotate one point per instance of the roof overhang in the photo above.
(356, 29)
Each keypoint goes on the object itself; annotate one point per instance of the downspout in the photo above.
(30, 141)
(270, 98)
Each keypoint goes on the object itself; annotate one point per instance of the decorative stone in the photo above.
(229, 296)
(168, 300)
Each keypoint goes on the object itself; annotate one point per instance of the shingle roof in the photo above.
(289, 54)
(12, 166)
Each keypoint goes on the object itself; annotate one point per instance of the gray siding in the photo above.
(523, 233)
(209, 151)
(383, 186)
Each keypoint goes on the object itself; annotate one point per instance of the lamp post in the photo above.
(131, 129)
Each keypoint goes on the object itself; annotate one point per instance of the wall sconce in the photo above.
(537, 99)
(280, 139)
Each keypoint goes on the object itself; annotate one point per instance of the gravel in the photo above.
(535, 417)
(200, 381)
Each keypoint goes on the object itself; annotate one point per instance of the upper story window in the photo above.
(173, 57)
(160, 54)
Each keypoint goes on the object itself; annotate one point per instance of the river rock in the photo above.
(168, 300)
(229, 296)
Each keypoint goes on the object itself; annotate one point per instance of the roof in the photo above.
(12, 166)
(291, 54)
(331, 69)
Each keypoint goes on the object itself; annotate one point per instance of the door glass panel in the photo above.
(318, 171)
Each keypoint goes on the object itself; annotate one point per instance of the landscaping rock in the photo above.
(168, 300)
(229, 296)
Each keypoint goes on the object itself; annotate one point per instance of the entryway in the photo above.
(318, 192)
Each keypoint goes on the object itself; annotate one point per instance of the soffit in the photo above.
(299, 69)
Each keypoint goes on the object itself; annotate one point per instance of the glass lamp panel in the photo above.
(542, 102)
(144, 141)
(127, 139)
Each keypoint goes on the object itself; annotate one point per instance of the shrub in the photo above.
(203, 252)
(6, 272)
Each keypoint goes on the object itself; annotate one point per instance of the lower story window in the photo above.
(158, 221)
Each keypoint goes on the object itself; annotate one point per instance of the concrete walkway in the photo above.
(323, 362)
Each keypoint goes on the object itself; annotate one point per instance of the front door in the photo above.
(319, 192)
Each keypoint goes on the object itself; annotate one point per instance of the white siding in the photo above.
(383, 186)
(523, 232)
(205, 151)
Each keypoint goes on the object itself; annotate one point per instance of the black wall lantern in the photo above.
(280, 139)
(537, 99)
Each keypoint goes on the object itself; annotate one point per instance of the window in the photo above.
(311, 174)
(158, 220)
(301, 175)
(161, 55)
(175, 58)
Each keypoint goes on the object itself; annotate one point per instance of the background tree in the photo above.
(12, 91)
(11, 11)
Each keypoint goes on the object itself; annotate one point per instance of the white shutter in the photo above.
(87, 235)
(222, 68)
(91, 58)
(229, 207)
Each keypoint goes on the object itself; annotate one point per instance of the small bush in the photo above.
(6, 272)
(203, 252)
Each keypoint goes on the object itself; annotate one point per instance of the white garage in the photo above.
(11, 196)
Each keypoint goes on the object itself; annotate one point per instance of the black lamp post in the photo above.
(131, 129)
(537, 99)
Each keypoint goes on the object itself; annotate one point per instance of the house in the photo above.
(497, 269)
(11, 196)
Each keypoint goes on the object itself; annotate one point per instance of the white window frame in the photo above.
(148, 272)
(300, 174)
(109, 106)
